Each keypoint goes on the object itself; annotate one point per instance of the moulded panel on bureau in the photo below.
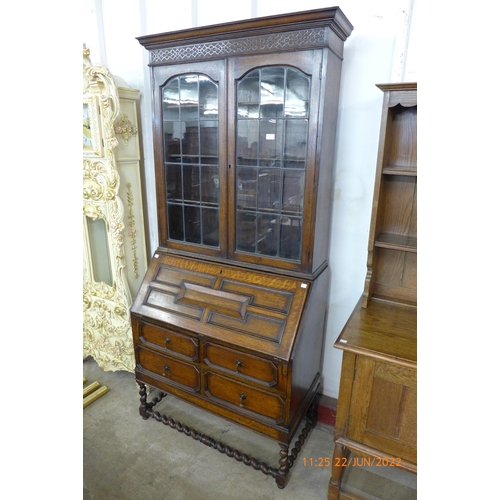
(235, 395)
(256, 369)
(231, 305)
(168, 369)
(175, 344)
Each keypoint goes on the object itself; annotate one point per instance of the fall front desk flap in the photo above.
(244, 307)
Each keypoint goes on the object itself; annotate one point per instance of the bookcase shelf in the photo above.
(377, 404)
(400, 170)
(392, 246)
(396, 242)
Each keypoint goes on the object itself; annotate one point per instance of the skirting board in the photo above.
(327, 411)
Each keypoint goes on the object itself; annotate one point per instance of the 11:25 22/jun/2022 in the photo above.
(351, 461)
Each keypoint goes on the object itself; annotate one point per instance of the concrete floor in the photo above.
(128, 458)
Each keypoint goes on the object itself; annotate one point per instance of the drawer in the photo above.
(235, 395)
(172, 370)
(175, 344)
(237, 363)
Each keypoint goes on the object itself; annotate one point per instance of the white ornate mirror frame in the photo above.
(107, 333)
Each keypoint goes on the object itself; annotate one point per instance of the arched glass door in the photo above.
(272, 130)
(190, 114)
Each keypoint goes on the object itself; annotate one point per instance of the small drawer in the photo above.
(243, 365)
(172, 370)
(175, 344)
(235, 395)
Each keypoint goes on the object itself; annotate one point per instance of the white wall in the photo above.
(378, 51)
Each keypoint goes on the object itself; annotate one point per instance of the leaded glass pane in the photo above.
(272, 92)
(191, 138)
(271, 149)
(189, 98)
(209, 106)
(246, 187)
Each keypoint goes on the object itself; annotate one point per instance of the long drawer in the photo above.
(242, 365)
(234, 395)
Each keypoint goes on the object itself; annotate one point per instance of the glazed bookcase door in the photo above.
(191, 163)
(274, 109)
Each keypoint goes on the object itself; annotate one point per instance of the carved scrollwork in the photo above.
(124, 128)
(107, 332)
(100, 180)
(107, 327)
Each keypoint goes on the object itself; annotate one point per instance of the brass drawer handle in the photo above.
(242, 398)
(239, 364)
(166, 368)
(167, 341)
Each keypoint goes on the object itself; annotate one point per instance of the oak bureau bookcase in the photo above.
(231, 313)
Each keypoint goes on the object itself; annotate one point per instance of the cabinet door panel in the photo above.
(278, 189)
(408, 423)
(191, 160)
(274, 99)
(383, 409)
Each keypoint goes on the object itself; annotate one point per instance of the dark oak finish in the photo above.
(308, 42)
(261, 336)
(377, 404)
(231, 313)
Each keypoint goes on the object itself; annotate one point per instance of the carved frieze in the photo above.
(248, 45)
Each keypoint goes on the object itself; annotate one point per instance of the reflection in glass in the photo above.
(174, 182)
(249, 88)
(189, 97)
(171, 100)
(190, 130)
(293, 191)
(99, 250)
(290, 237)
(272, 95)
(246, 183)
(267, 235)
(246, 231)
(209, 185)
(191, 182)
(190, 146)
(192, 223)
(248, 140)
(295, 139)
(269, 188)
(210, 222)
(270, 141)
(209, 106)
(175, 221)
(209, 142)
(271, 150)
(297, 94)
